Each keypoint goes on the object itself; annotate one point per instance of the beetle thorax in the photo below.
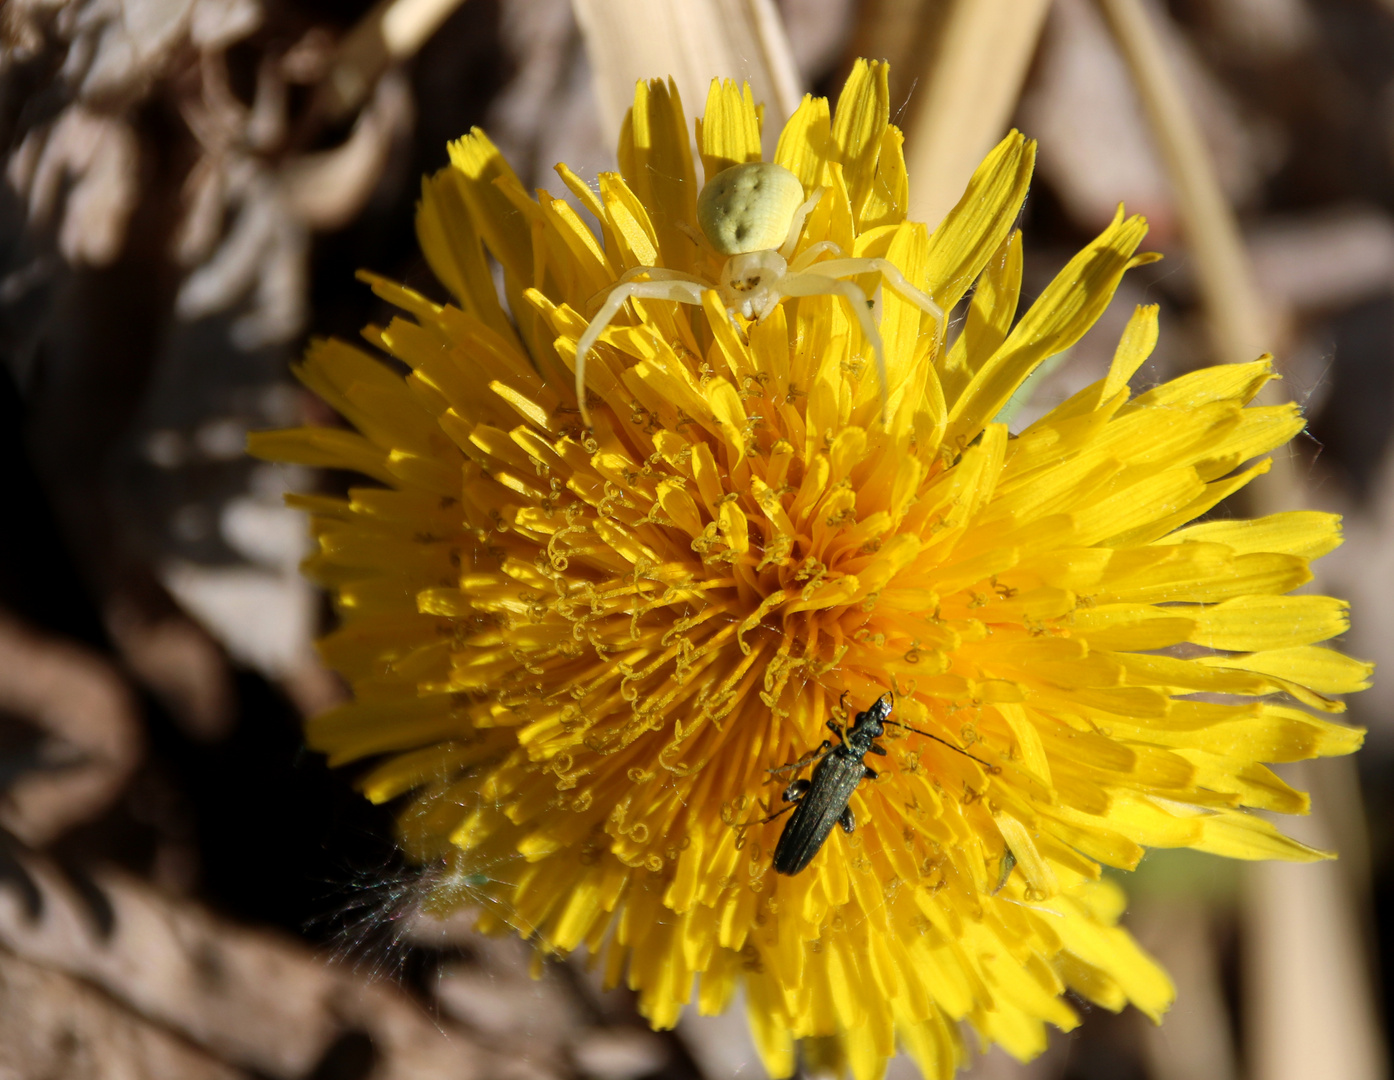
(863, 733)
(749, 282)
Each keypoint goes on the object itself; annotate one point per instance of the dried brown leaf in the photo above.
(53, 1025)
(250, 997)
(93, 733)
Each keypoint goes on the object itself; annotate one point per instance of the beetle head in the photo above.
(878, 714)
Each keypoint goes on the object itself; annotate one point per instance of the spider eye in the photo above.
(749, 207)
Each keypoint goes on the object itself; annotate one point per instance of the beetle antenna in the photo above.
(992, 769)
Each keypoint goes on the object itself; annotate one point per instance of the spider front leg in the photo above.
(810, 255)
(806, 282)
(682, 290)
(796, 223)
(813, 282)
(899, 283)
(652, 273)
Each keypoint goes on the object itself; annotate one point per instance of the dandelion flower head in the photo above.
(580, 650)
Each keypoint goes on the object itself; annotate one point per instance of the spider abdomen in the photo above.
(749, 207)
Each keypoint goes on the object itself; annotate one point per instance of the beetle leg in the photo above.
(792, 794)
(797, 790)
(877, 748)
(869, 774)
(847, 820)
(807, 759)
(778, 813)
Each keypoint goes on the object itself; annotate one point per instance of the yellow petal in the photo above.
(806, 144)
(1250, 623)
(1237, 835)
(1324, 670)
(729, 132)
(976, 227)
(989, 317)
(656, 162)
(1058, 318)
(485, 173)
(445, 230)
(1308, 534)
(328, 448)
(890, 193)
(863, 111)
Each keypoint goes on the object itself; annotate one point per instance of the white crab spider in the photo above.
(744, 212)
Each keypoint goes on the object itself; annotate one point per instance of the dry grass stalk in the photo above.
(1309, 1006)
(1241, 325)
(968, 89)
(694, 41)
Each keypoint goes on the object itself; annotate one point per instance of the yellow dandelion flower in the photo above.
(585, 653)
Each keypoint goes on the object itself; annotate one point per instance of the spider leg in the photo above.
(898, 282)
(922, 300)
(654, 273)
(677, 289)
(811, 253)
(816, 282)
(796, 223)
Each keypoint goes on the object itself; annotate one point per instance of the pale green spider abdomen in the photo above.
(749, 207)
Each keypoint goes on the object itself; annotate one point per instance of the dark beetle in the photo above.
(822, 800)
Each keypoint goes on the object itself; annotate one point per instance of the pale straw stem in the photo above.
(693, 41)
(1240, 324)
(1308, 1002)
(967, 89)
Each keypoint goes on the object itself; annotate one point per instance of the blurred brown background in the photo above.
(188, 188)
